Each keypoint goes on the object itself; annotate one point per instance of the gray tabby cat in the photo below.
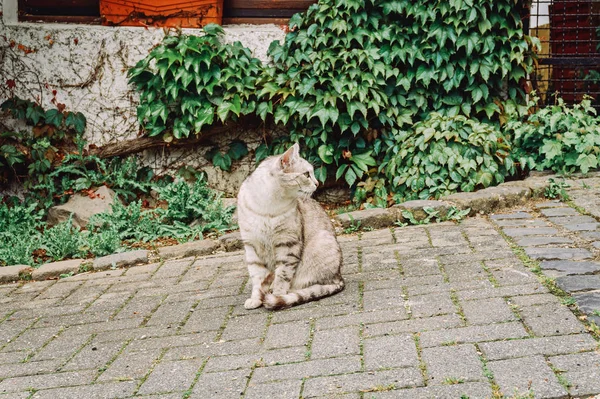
(292, 254)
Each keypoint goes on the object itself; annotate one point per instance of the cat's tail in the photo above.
(293, 298)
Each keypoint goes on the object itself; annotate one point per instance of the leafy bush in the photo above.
(561, 138)
(19, 231)
(188, 82)
(443, 155)
(103, 242)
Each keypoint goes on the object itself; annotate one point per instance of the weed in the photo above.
(354, 225)
(380, 388)
(556, 190)
(65, 275)
(453, 381)
(567, 300)
(596, 312)
(63, 241)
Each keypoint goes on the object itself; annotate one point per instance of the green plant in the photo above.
(453, 381)
(354, 225)
(443, 155)
(19, 231)
(556, 190)
(456, 215)
(63, 241)
(105, 241)
(560, 138)
(187, 82)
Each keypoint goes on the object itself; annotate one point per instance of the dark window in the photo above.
(262, 11)
(85, 11)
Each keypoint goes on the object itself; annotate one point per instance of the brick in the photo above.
(376, 316)
(205, 320)
(539, 241)
(29, 368)
(536, 299)
(555, 345)
(365, 382)
(130, 365)
(250, 326)
(513, 290)
(549, 319)
(287, 334)
(510, 216)
(431, 305)
(579, 283)
(529, 231)
(487, 311)
(472, 390)
(276, 390)
(171, 376)
(338, 342)
(520, 376)
(63, 346)
(97, 391)
(420, 267)
(473, 334)
(139, 306)
(513, 276)
(413, 325)
(310, 368)
(390, 351)
(211, 348)
(32, 339)
(121, 259)
(235, 362)
(581, 370)
(562, 211)
(93, 356)
(568, 267)
(46, 381)
(55, 269)
(558, 253)
(227, 384)
(442, 364)
(383, 299)
(171, 314)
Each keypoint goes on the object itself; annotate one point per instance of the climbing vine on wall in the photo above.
(347, 72)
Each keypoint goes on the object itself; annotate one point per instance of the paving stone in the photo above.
(431, 305)
(192, 248)
(558, 253)
(589, 303)
(521, 223)
(235, 362)
(582, 226)
(530, 300)
(512, 290)
(63, 346)
(569, 267)
(287, 334)
(210, 348)
(30, 368)
(249, 326)
(139, 306)
(310, 368)
(365, 382)
(32, 339)
(471, 390)
(170, 376)
(513, 276)
(46, 381)
(564, 220)
(276, 390)
(376, 316)
(468, 334)
(549, 319)
(171, 314)
(539, 241)
(581, 370)
(375, 218)
(562, 211)
(93, 356)
(514, 215)
(487, 311)
(442, 365)
(205, 320)
(390, 351)
(555, 345)
(338, 342)
(55, 269)
(383, 299)
(130, 365)
(97, 391)
(520, 376)
(12, 273)
(121, 259)
(226, 384)
(413, 325)
(578, 283)
(550, 204)
(530, 231)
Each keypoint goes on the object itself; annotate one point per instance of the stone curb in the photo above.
(484, 201)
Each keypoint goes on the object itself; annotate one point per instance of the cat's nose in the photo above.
(317, 183)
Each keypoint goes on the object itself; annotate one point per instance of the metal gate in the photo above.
(569, 62)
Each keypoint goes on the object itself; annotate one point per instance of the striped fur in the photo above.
(292, 254)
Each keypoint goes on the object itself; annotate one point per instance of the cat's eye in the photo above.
(307, 175)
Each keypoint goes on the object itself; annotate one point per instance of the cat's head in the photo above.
(296, 175)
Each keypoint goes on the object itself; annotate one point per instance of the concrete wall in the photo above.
(84, 67)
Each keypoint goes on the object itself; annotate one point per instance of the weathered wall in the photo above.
(84, 67)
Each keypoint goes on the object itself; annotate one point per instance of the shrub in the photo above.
(443, 155)
(19, 231)
(561, 138)
(64, 241)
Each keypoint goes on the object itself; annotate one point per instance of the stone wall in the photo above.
(84, 67)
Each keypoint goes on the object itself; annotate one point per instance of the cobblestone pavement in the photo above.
(433, 311)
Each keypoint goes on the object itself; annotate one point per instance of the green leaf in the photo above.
(237, 150)
(321, 174)
(551, 149)
(326, 153)
(213, 29)
(54, 117)
(221, 160)
(587, 162)
(76, 121)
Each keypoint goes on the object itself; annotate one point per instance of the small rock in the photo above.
(82, 207)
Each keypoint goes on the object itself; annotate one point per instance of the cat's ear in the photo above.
(290, 156)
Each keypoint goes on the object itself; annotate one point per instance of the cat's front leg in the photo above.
(287, 257)
(260, 277)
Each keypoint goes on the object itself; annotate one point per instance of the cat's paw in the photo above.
(252, 303)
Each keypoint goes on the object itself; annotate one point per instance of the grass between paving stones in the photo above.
(188, 393)
(361, 345)
(187, 316)
(263, 337)
(550, 283)
(488, 373)
(562, 380)
(490, 275)
(149, 316)
(163, 352)
(445, 277)
(422, 365)
(89, 341)
(459, 309)
(393, 233)
(453, 381)
(311, 337)
(361, 296)
(224, 324)
(102, 369)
